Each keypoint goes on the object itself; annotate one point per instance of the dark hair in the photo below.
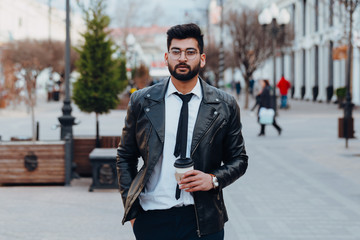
(266, 81)
(190, 30)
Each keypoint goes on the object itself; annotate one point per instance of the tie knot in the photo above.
(184, 98)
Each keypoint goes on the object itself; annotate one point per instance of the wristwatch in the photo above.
(215, 181)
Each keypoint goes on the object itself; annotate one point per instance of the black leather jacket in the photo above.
(217, 147)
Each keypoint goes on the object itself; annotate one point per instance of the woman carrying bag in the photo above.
(266, 113)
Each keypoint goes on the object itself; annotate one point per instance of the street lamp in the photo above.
(348, 121)
(275, 20)
(66, 120)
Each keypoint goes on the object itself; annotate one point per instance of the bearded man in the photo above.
(183, 121)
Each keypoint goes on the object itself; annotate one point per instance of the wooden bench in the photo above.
(32, 162)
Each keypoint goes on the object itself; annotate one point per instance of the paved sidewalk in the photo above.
(301, 185)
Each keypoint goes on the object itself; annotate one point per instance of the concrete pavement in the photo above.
(301, 185)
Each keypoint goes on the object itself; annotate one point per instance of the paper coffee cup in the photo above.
(182, 165)
(179, 172)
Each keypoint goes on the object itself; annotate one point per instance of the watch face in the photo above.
(215, 182)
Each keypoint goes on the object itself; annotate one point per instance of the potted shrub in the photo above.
(340, 94)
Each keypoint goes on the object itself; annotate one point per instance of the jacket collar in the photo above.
(155, 110)
(209, 95)
(157, 93)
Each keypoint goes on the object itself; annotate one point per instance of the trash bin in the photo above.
(350, 128)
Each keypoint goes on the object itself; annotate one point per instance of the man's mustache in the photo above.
(182, 65)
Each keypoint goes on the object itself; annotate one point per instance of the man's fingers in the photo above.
(195, 180)
(191, 186)
(191, 173)
(191, 178)
(194, 189)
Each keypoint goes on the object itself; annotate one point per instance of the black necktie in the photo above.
(181, 136)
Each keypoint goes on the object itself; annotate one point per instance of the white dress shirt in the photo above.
(160, 189)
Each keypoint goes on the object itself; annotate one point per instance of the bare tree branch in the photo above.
(251, 43)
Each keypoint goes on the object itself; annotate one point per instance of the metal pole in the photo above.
(67, 51)
(221, 47)
(49, 3)
(37, 130)
(68, 162)
(66, 120)
(274, 32)
(348, 105)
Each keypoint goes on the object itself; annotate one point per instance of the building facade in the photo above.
(29, 19)
(316, 62)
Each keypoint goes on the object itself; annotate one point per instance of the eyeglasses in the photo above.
(190, 54)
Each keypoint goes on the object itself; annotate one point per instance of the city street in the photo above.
(302, 185)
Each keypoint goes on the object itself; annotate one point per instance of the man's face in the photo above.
(184, 59)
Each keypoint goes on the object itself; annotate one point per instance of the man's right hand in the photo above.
(132, 222)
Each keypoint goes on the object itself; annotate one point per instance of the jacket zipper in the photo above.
(197, 145)
(196, 214)
(221, 126)
(197, 219)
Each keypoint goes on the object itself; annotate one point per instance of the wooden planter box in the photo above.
(32, 162)
(350, 130)
(82, 148)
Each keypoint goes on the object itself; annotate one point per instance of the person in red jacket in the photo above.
(283, 86)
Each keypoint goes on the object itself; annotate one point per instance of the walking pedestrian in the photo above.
(206, 134)
(251, 86)
(264, 101)
(238, 89)
(283, 86)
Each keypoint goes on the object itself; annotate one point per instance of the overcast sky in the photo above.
(161, 12)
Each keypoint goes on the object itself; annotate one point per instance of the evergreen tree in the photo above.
(121, 73)
(97, 88)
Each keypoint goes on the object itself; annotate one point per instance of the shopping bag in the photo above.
(266, 115)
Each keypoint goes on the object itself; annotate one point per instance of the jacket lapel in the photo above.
(154, 107)
(207, 114)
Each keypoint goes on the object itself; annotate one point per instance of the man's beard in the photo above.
(184, 77)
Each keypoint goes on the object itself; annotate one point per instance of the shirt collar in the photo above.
(196, 90)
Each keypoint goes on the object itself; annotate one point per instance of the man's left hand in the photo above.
(195, 180)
